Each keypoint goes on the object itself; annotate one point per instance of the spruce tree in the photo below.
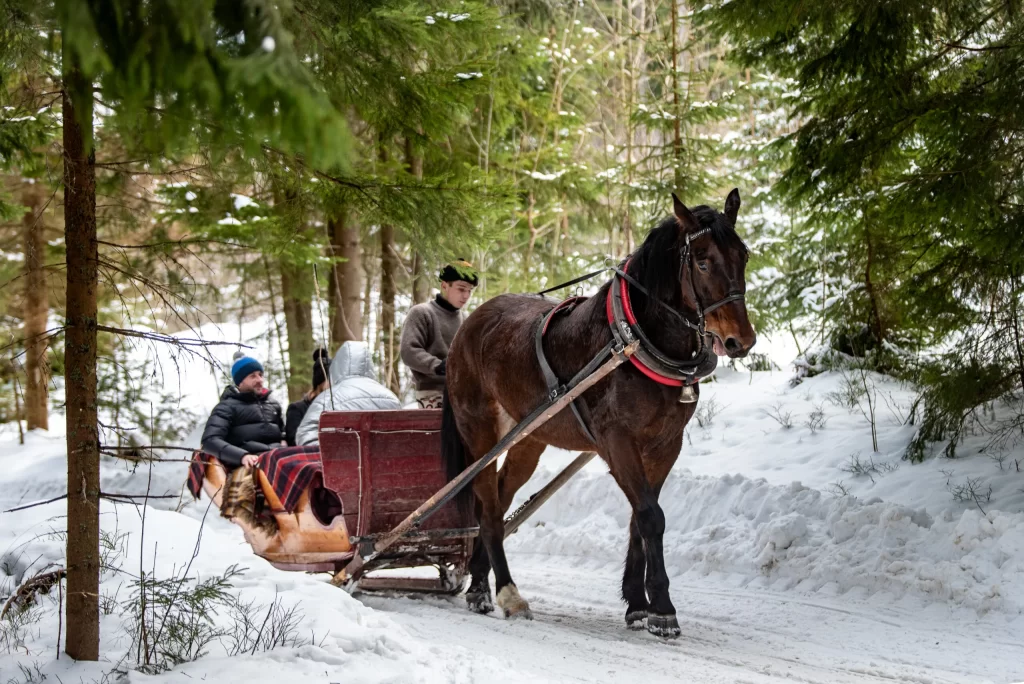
(909, 155)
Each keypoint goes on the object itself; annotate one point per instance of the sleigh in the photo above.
(381, 500)
(377, 467)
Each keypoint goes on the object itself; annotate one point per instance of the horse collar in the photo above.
(648, 359)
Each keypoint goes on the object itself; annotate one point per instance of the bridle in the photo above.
(702, 311)
(625, 329)
(685, 258)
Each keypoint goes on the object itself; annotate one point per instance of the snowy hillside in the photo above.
(785, 563)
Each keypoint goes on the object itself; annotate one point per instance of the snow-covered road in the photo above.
(730, 634)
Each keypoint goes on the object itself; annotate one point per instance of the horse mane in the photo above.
(655, 264)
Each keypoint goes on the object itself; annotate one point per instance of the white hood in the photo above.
(352, 360)
(354, 387)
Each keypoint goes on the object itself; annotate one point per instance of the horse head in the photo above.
(712, 274)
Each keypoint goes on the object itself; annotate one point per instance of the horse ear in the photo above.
(732, 206)
(687, 221)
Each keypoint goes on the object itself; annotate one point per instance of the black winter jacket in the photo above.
(293, 418)
(242, 423)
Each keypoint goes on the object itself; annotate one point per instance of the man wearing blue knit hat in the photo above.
(247, 421)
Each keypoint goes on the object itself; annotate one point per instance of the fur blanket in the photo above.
(242, 500)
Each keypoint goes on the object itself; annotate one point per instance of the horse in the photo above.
(682, 294)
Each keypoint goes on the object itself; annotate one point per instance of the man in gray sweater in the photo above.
(430, 327)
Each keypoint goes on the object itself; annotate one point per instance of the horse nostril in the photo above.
(731, 344)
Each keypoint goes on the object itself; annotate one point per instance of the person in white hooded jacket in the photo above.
(354, 387)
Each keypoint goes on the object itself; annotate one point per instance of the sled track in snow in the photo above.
(728, 635)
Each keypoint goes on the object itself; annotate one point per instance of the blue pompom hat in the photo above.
(242, 367)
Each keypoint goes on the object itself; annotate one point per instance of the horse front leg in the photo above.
(633, 579)
(647, 529)
(661, 615)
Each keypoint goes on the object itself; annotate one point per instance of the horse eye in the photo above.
(703, 266)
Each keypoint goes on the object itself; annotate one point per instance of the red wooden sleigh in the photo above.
(381, 465)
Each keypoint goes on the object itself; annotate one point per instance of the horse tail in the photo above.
(453, 454)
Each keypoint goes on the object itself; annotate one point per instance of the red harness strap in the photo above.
(627, 307)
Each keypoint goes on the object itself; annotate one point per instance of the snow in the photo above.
(349, 639)
(242, 201)
(784, 566)
(538, 175)
(784, 538)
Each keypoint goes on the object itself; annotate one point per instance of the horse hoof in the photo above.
(522, 614)
(635, 619)
(665, 626)
(512, 604)
(480, 603)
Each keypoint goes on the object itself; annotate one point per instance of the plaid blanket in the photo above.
(197, 472)
(290, 471)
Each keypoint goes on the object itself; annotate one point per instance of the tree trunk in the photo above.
(35, 314)
(559, 246)
(1015, 290)
(277, 322)
(346, 282)
(876, 317)
(369, 277)
(677, 138)
(530, 202)
(388, 271)
(83, 557)
(297, 292)
(420, 282)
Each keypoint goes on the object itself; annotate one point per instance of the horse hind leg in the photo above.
(518, 469)
(492, 532)
(520, 464)
(478, 596)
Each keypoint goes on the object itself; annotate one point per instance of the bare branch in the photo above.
(168, 339)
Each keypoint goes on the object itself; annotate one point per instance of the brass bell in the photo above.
(688, 395)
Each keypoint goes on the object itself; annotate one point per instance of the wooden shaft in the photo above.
(514, 521)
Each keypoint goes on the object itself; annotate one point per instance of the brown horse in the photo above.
(681, 293)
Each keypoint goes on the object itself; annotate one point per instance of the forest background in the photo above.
(168, 164)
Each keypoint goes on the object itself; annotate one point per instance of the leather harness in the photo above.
(625, 328)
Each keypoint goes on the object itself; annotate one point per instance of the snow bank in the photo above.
(745, 436)
(345, 640)
(794, 537)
